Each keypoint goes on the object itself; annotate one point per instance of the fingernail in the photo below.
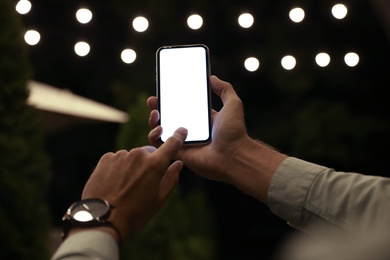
(182, 130)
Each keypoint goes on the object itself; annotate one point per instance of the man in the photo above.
(312, 198)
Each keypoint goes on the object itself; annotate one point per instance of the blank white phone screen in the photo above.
(184, 93)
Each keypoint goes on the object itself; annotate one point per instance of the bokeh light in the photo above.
(84, 15)
(322, 59)
(195, 21)
(288, 62)
(32, 37)
(23, 7)
(82, 48)
(251, 64)
(128, 56)
(245, 20)
(339, 11)
(297, 15)
(351, 59)
(140, 24)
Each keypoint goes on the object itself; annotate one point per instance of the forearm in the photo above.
(307, 194)
(252, 167)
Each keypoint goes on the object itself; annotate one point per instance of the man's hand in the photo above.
(228, 135)
(138, 182)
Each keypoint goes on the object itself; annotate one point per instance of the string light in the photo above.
(245, 20)
(195, 21)
(297, 15)
(351, 59)
(140, 24)
(251, 64)
(339, 11)
(322, 59)
(288, 62)
(128, 56)
(84, 15)
(23, 7)
(32, 37)
(82, 49)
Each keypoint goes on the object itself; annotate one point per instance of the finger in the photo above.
(154, 136)
(213, 113)
(169, 181)
(173, 144)
(223, 89)
(152, 102)
(148, 148)
(153, 118)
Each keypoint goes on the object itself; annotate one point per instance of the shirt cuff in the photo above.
(88, 245)
(289, 187)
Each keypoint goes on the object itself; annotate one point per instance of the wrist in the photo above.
(94, 214)
(252, 167)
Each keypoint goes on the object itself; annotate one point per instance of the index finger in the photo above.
(173, 144)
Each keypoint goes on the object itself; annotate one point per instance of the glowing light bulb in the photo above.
(322, 59)
(251, 64)
(339, 11)
(32, 37)
(140, 24)
(83, 15)
(297, 15)
(288, 62)
(195, 21)
(128, 56)
(245, 20)
(82, 48)
(23, 6)
(351, 59)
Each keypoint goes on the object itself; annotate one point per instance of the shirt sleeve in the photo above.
(306, 194)
(88, 245)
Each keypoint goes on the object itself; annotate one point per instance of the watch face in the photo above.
(90, 209)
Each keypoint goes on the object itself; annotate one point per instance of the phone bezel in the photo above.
(208, 140)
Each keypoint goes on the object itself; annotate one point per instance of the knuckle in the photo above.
(136, 152)
(121, 154)
(175, 142)
(107, 156)
(123, 151)
(239, 101)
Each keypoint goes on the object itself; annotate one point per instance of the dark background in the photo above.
(336, 116)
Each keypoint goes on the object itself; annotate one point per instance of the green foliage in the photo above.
(134, 134)
(183, 228)
(23, 164)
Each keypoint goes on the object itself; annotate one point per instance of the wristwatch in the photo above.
(90, 213)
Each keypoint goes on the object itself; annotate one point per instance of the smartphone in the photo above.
(183, 91)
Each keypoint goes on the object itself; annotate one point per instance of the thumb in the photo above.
(223, 89)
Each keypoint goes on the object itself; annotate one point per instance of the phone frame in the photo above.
(158, 94)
